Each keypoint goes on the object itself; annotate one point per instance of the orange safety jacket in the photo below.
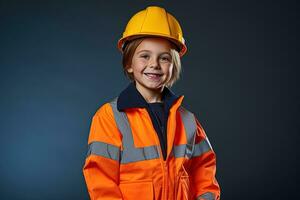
(125, 161)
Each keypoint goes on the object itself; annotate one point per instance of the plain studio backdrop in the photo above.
(59, 63)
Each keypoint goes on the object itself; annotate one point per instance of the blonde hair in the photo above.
(128, 53)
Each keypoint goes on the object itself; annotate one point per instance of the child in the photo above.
(144, 144)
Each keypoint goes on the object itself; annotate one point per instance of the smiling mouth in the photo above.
(153, 75)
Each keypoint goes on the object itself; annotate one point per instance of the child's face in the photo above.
(152, 64)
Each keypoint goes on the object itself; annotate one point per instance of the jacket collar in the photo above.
(132, 98)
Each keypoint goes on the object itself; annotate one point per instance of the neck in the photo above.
(151, 96)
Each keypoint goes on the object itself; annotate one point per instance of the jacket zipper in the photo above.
(165, 171)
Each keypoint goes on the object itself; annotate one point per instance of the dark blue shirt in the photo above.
(159, 115)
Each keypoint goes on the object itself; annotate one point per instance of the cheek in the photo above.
(168, 69)
(138, 66)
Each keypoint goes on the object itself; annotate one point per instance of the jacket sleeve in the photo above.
(203, 168)
(101, 168)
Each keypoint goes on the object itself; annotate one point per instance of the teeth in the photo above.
(148, 74)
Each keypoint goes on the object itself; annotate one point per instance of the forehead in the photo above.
(154, 44)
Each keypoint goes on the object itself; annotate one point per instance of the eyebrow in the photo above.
(166, 52)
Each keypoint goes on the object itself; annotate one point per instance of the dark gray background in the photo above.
(59, 64)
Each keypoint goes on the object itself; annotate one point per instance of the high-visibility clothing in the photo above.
(125, 160)
(131, 98)
(154, 21)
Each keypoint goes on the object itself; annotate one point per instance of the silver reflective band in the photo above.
(201, 148)
(139, 154)
(189, 123)
(104, 150)
(179, 151)
(183, 150)
(130, 153)
(190, 126)
(189, 151)
(206, 196)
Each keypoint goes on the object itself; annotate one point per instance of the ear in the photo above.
(129, 70)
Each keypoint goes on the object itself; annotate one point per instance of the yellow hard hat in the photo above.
(154, 21)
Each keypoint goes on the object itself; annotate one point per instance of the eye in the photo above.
(145, 56)
(165, 59)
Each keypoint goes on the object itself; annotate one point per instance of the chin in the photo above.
(154, 86)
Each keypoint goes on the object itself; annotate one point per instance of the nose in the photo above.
(154, 63)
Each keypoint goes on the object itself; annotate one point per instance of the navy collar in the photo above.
(132, 98)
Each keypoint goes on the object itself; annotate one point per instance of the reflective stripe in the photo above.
(105, 150)
(139, 154)
(201, 148)
(190, 149)
(190, 126)
(189, 123)
(179, 151)
(198, 149)
(206, 196)
(183, 150)
(130, 153)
